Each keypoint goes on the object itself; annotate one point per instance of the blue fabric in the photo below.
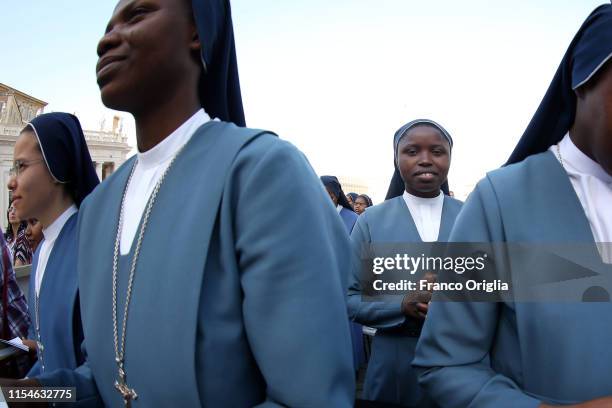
(389, 377)
(588, 51)
(220, 85)
(349, 218)
(60, 328)
(250, 309)
(65, 152)
(519, 354)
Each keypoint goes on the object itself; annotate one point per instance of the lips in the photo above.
(107, 65)
(425, 175)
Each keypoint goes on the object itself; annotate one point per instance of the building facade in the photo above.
(108, 148)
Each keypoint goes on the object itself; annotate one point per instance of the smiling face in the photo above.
(33, 187)
(149, 51)
(423, 156)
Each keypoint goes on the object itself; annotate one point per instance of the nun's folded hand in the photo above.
(605, 402)
(417, 309)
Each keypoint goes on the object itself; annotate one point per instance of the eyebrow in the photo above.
(119, 13)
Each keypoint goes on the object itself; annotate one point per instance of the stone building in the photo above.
(108, 148)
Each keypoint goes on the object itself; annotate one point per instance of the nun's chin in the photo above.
(113, 99)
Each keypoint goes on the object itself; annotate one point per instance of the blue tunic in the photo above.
(389, 377)
(237, 298)
(60, 323)
(349, 218)
(519, 354)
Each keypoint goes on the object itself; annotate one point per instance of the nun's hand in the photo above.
(413, 306)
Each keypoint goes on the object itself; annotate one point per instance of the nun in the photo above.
(51, 175)
(555, 188)
(419, 213)
(340, 200)
(345, 210)
(226, 309)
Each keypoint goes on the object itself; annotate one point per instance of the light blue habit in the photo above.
(389, 377)
(237, 298)
(60, 324)
(519, 354)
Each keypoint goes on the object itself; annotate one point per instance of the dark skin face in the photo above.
(423, 161)
(332, 196)
(592, 128)
(149, 66)
(360, 205)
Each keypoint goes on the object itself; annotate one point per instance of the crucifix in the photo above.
(128, 394)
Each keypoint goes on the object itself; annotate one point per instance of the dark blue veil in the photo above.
(589, 51)
(219, 85)
(65, 152)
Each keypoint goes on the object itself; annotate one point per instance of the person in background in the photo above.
(34, 234)
(51, 175)
(16, 239)
(362, 202)
(14, 317)
(344, 208)
(556, 188)
(421, 213)
(350, 197)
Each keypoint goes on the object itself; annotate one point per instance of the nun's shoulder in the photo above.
(111, 181)
(387, 208)
(453, 202)
(515, 177)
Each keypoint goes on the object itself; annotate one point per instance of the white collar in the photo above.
(579, 162)
(423, 201)
(167, 148)
(339, 208)
(52, 231)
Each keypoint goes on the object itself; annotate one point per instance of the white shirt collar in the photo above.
(339, 208)
(52, 231)
(576, 161)
(167, 148)
(423, 201)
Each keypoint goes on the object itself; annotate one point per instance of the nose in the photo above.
(424, 159)
(110, 40)
(12, 183)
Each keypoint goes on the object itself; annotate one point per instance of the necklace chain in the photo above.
(559, 156)
(120, 347)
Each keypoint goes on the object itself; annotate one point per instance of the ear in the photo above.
(194, 43)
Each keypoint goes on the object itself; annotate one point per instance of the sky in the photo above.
(336, 78)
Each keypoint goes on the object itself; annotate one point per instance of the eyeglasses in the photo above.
(20, 165)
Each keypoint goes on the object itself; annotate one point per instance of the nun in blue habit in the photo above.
(421, 213)
(555, 188)
(334, 189)
(340, 200)
(231, 297)
(53, 292)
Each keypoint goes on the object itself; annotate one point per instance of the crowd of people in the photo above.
(248, 299)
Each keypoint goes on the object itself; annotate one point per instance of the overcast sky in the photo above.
(337, 77)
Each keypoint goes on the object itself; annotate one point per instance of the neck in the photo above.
(580, 135)
(162, 117)
(54, 211)
(15, 227)
(423, 194)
